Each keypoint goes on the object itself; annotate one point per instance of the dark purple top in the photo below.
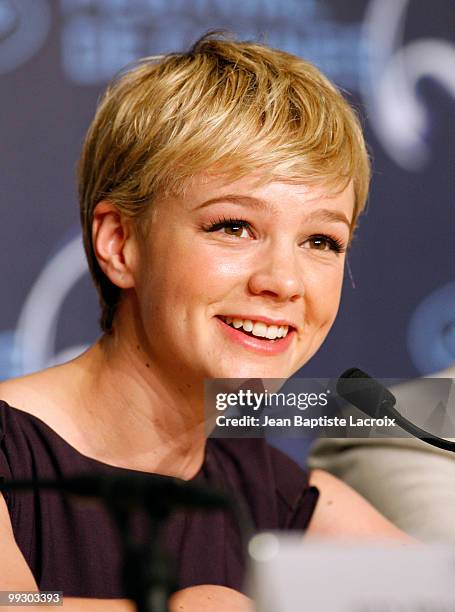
(71, 544)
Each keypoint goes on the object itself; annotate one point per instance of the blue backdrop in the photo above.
(395, 59)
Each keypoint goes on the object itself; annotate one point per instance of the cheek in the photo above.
(179, 277)
(208, 272)
(323, 293)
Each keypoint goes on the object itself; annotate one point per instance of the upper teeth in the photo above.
(258, 328)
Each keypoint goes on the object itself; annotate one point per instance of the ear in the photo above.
(114, 244)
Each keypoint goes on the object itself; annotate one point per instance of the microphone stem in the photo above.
(417, 432)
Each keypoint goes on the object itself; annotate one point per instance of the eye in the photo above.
(324, 243)
(237, 228)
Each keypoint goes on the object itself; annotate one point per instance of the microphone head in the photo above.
(364, 392)
(354, 373)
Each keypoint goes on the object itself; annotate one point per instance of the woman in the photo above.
(219, 191)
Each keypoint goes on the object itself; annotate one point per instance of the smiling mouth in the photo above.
(257, 329)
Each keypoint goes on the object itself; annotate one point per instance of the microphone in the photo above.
(375, 400)
(158, 494)
(153, 491)
(148, 576)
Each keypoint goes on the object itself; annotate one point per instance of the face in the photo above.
(239, 280)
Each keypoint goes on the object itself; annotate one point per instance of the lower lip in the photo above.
(267, 347)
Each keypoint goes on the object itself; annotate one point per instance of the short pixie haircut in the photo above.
(239, 106)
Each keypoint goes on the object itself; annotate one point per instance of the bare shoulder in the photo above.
(41, 393)
(24, 392)
(342, 512)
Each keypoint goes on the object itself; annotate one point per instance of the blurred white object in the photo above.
(292, 575)
(36, 331)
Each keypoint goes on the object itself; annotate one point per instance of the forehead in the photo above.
(273, 196)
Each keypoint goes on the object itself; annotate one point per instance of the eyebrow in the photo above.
(322, 214)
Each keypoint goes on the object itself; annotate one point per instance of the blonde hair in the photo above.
(239, 106)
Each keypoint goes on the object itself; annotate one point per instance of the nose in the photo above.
(278, 274)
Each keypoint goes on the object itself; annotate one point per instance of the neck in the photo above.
(140, 417)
